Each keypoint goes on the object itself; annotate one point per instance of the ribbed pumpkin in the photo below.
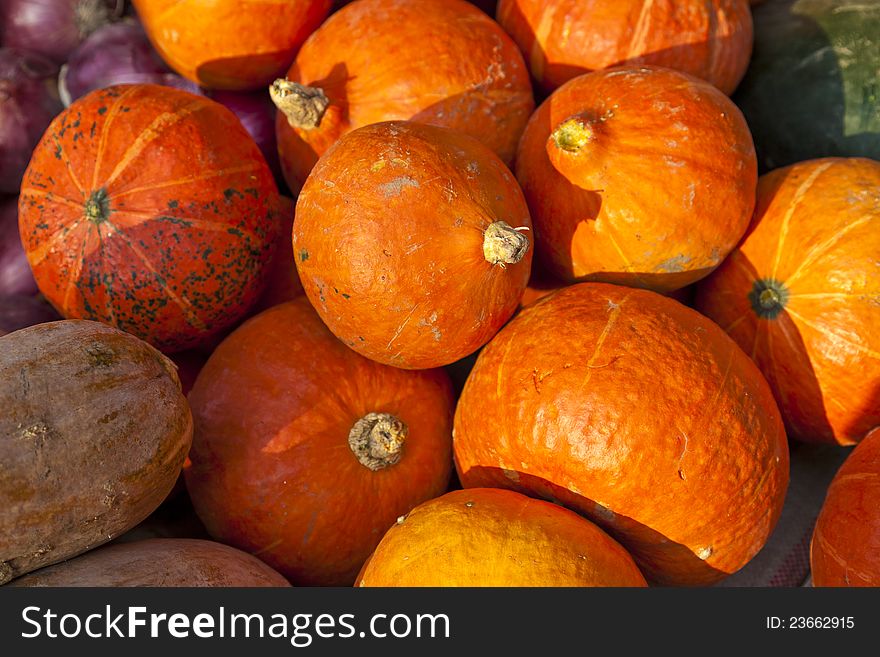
(151, 209)
(442, 62)
(640, 414)
(801, 295)
(412, 242)
(304, 452)
(491, 537)
(845, 550)
(230, 44)
(562, 39)
(824, 54)
(640, 176)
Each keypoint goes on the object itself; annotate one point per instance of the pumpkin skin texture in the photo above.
(230, 44)
(382, 60)
(273, 472)
(390, 243)
(150, 209)
(562, 39)
(826, 54)
(93, 434)
(159, 562)
(490, 537)
(801, 295)
(637, 176)
(688, 474)
(845, 550)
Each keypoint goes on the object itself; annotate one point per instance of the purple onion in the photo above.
(20, 311)
(256, 112)
(15, 272)
(54, 27)
(116, 54)
(28, 103)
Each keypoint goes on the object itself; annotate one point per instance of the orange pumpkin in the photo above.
(230, 44)
(562, 39)
(637, 176)
(801, 295)
(845, 550)
(151, 209)
(411, 241)
(304, 453)
(442, 62)
(490, 537)
(640, 414)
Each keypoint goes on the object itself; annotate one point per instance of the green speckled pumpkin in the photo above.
(813, 87)
(151, 209)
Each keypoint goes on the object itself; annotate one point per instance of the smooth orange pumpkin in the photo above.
(639, 176)
(845, 550)
(151, 209)
(412, 242)
(304, 453)
(640, 414)
(801, 295)
(491, 537)
(230, 44)
(562, 39)
(442, 62)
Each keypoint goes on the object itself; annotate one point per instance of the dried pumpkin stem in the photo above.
(504, 244)
(572, 135)
(377, 440)
(303, 106)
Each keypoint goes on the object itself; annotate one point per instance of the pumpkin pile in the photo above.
(435, 292)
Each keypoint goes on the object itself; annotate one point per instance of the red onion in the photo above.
(15, 272)
(28, 103)
(19, 311)
(256, 112)
(116, 54)
(54, 27)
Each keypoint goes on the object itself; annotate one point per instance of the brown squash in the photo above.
(158, 562)
(493, 537)
(639, 176)
(640, 414)
(305, 452)
(845, 549)
(412, 242)
(93, 434)
(801, 296)
(561, 39)
(442, 62)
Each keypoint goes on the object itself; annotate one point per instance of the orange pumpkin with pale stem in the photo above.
(845, 550)
(230, 44)
(411, 241)
(151, 209)
(801, 295)
(442, 62)
(309, 480)
(492, 537)
(638, 176)
(640, 414)
(562, 39)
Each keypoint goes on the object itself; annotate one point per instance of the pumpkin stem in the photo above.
(98, 206)
(572, 135)
(303, 106)
(377, 440)
(503, 244)
(768, 297)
